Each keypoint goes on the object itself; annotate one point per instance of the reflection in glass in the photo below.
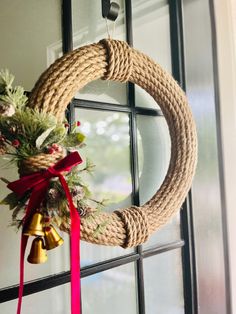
(107, 145)
(88, 27)
(30, 33)
(112, 291)
(163, 284)
(51, 301)
(151, 17)
(154, 156)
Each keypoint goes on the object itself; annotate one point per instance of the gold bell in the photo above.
(35, 226)
(38, 253)
(52, 238)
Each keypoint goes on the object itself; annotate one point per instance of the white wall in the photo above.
(225, 16)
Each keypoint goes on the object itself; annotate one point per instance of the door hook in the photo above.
(110, 10)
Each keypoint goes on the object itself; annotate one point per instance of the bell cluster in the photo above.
(46, 239)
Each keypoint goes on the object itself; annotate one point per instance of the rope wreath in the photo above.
(115, 60)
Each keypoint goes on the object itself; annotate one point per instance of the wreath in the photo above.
(34, 132)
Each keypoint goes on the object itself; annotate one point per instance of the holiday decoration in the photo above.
(50, 192)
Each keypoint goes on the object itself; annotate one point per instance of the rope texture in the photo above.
(136, 225)
(39, 162)
(115, 60)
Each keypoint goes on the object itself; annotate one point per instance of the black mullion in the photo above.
(178, 71)
(188, 256)
(67, 45)
(90, 104)
(67, 33)
(133, 119)
(163, 248)
(134, 158)
(176, 34)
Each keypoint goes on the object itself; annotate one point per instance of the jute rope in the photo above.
(115, 60)
(39, 162)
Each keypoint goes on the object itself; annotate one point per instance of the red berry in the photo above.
(51, 150)
(46, 219)
(55, 146)
(78, 123)
(66, 125)
(15, 143)
(47, 229)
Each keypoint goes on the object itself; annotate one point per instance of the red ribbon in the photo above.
(38, 184)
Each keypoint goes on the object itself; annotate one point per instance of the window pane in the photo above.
(163, 284)
(88, 27)
(107, 145)
(151, 17)
(154, 156)
(30, 33)
(51, 301)
(208, 200)
(112, 291)
(58, 259)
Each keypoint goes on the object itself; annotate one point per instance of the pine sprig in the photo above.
(15, 97)
(6, 79)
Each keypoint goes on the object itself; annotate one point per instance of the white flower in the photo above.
(6, 109)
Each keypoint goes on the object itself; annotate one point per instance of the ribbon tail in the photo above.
(75, 251)
(24, 240)
(75, 267)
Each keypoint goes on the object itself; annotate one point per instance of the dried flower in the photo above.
(53, 194)
(15, 143)
(85, 211)
(77, 192)
(6, 109)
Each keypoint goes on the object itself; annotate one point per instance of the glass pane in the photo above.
(151, 34)
(58, 259)
(30, 33)
(209, 207)
(107, 146)
(154, 155)
(163, 284)
(51, 301)
(89, 26)
(112, 291)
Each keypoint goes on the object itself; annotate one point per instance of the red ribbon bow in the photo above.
(38, 184)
